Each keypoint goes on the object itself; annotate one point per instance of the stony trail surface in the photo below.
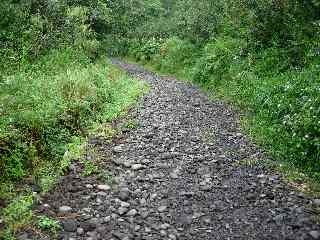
(177, 176)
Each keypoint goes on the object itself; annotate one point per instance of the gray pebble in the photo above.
(315, 234)
(65, 209)
(137, 166)
(162, 208)
(104, 187)
(132, 213)
(80, 231)
(70, 225)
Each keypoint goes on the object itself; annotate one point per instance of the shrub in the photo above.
(18, 213)
(216, 59)
(176, 54)
(144, 50)
(48, 103)
(48, 224)
(285, 23)
(284, 107)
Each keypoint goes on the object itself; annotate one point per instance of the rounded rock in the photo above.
(315, 234)
(80, 231)
(104, 187)
(70, 225)
(162, 208)
(65, 209)
(124, 194)
(132, 213)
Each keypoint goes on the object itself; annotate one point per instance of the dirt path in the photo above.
(178, 175)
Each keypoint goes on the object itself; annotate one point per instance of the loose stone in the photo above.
(107, 219)
(104, 187)
(125, 204)
(118, 149)
(162, 208)
(122, 210)
(172, 237)
(316, 202)
(70, 225)
(315, 234)
(80, 231)
(132, 212)
(65, 209)
(124, 194)
(137, 166)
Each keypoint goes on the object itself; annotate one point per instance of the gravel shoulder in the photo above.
(180, 174)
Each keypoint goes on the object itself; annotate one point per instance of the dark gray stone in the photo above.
(70, 225)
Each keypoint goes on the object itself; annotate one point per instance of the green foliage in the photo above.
(43, 109)
(130, 124)
(106, 177)
(215, 60)
(286, 113)
(89, 168)
(18, 213)
(198, 19)
(176, 53)
(7, 191)
(103, 131)
(48, 224)
(282, 22)
(28, 29)
(143, 51)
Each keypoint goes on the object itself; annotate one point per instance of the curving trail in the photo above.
(178, 175)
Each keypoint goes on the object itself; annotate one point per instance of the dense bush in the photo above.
(176, 54)
(216, 59)
(144, 50)
(285, 109)
(45, 105)
(286, 23)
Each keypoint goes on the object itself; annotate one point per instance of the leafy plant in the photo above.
(130, 124)
(48, 224)
(18, 213)
(146, 51)
(106, 177)
(89, 168)
(216, 60)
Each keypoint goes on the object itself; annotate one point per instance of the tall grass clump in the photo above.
(49, 102)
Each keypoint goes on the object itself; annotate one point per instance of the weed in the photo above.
(105, 131)
(208, 136)
(75, 150)
(106, 177)
(248, 162)
(130, 124)
(18, 213)
(7, 191)
(48, 109)
(89, 168)
(48, 224)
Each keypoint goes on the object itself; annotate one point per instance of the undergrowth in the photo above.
(48, 109)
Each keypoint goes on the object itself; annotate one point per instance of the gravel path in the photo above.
(180, 175)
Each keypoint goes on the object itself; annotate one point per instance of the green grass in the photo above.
(48, 110)
(17, 215)
(48, 224)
